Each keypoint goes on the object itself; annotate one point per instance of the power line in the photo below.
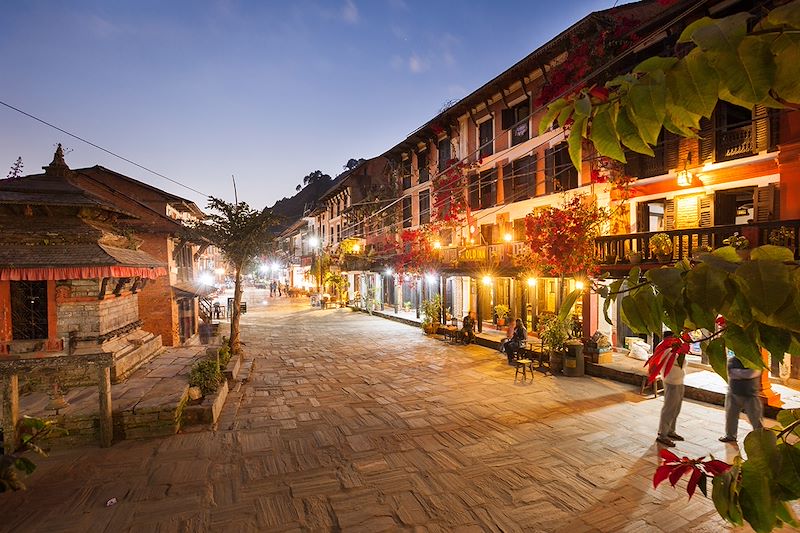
(90, 143)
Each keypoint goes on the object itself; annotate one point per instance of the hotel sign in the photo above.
(474, 254)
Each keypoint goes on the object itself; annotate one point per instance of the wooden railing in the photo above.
(618, 248)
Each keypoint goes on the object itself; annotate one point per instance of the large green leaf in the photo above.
(647, 108)
(568, 304)
(787, 417)
(725, 494)
(757, 474)
(669, 282)
(706, 286)
(701, 317)
(719, 34)
(786, 50)
(686, 34)
(630, 315)
(775, 340)
(761, 446)
(765, 284)
(655, 63)
(648, 307)
(715, 350)
(788, 316)
(575, 141)
(629, 135)
(770, 252)
(736, 308)
(680, 121)
(747, 71)
(565, 114)
(550, 115)
(744, 345)
(583, 106)
(694, 84)
(604, 134)
(786, 15)
(789, 474)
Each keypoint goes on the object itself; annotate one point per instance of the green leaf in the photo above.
(775, 340)
(736, 308)
(787, 417)
(727, 253)
(24, 464)
(575, 141)
(701, 317)
(746, 71)
(694, 84)
(755, 498)
(715, 350)
(604, 135)
(743, 343)
(786, 15)
(680, 121)
(719, 34)
(765, 284)
(655, 63)
(629, 135)
(565, 114)
(725, 495)
(569, 303)
(669, 282)
(769, 252)
(629, 313)
(788, 316)
(583, 106)
(647, 109)
(634, 277)
(686, 34)
(786, 51)
(706, 287)
(550, 115)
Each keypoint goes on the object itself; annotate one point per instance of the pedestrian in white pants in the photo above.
(673, 398)
(743, 393)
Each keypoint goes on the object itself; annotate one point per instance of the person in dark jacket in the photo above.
(517, 341)
(468, 329)
(743, 393)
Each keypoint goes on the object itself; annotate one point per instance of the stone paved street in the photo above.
(356, 423)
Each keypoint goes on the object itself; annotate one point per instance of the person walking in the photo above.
(743, 393)
(673, 373)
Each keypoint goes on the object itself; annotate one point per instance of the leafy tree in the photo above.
(242, 234)
(751, 305)
(16, 169)
(353, 163)
(315, 177)
(719, 60)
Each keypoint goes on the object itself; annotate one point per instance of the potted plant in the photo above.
(739, 243)
(661, 246)
(501, 311)
(634, 257)
(782, 236)
(554, 332)
(700, 250)
(431, 313)
(407, 306)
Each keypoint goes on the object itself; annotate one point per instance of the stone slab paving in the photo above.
(354, 423)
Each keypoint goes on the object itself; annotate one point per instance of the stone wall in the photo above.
(80, 311)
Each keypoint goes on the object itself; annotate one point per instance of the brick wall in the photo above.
(79, 310)
(159, 311)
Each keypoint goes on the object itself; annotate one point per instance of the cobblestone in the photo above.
(353, 423)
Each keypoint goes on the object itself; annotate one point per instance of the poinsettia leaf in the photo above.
(770, 252)
(703, 484)
(662, 473)
(677, 473)
(775, 340)
(755, 497)
(655, 63)
(694, 479)
(786, 51)
(743, 343)
(765, 284)
(694, 84)
(667, 455)
(647, 109)
(786, 15)
(715, 467)
(706, 286)
(575, 141)
(686, 34)
(669, 282)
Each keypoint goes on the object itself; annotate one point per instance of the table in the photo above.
(450, 333)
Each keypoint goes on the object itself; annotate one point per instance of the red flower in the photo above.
(601, 93)
(674, 468)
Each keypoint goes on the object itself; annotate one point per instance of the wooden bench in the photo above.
(524, 365)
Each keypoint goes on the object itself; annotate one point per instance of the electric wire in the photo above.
(90, 143)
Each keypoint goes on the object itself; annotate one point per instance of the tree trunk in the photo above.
(236, 312)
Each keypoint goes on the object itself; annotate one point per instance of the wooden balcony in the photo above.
(616, 249)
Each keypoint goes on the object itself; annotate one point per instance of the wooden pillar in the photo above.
(106, 420)
(478, 307)
(789, 167)
(10, 412)
(590, 314)
(5, 316)
(443, 296)
(53, 342)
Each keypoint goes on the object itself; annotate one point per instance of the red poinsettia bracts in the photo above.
(674, 468)
(665, 355)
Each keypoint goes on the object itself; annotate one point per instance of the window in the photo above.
(405, 172)
(488, 188)
(406, 211)
(474, 191)
(486, 138)
(519, 179)
(422, 166)
(487, 231)
(560, 174)
(444, 153)
(517, 120)
(29, 310)
(424, 207)
(519, 230)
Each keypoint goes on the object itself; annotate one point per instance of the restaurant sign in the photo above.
(474, 254)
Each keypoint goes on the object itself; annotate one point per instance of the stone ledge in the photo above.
(208, 411)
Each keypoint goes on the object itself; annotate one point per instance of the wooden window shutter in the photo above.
(671, 145)
(549, 169)
(642, 217)
(774, 129)
(764, 203)
(706, 140)
(669, 215)
(507, 119)
(760, 128)
(705, 209)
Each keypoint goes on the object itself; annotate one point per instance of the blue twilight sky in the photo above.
(267, 91)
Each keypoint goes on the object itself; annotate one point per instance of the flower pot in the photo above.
(556, 359)
(744, 254)
(635, 258)
(664, 258)
(430, 329)
(501, 322)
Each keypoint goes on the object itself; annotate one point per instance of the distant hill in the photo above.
(291, 209)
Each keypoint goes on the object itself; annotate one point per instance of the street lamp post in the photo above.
(314, 243)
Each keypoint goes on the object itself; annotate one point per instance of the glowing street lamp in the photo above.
(579, 285)
(206, 278)
(507, 237)
(430, 278)
(487, 280)
(356, 248)
(531, 282)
